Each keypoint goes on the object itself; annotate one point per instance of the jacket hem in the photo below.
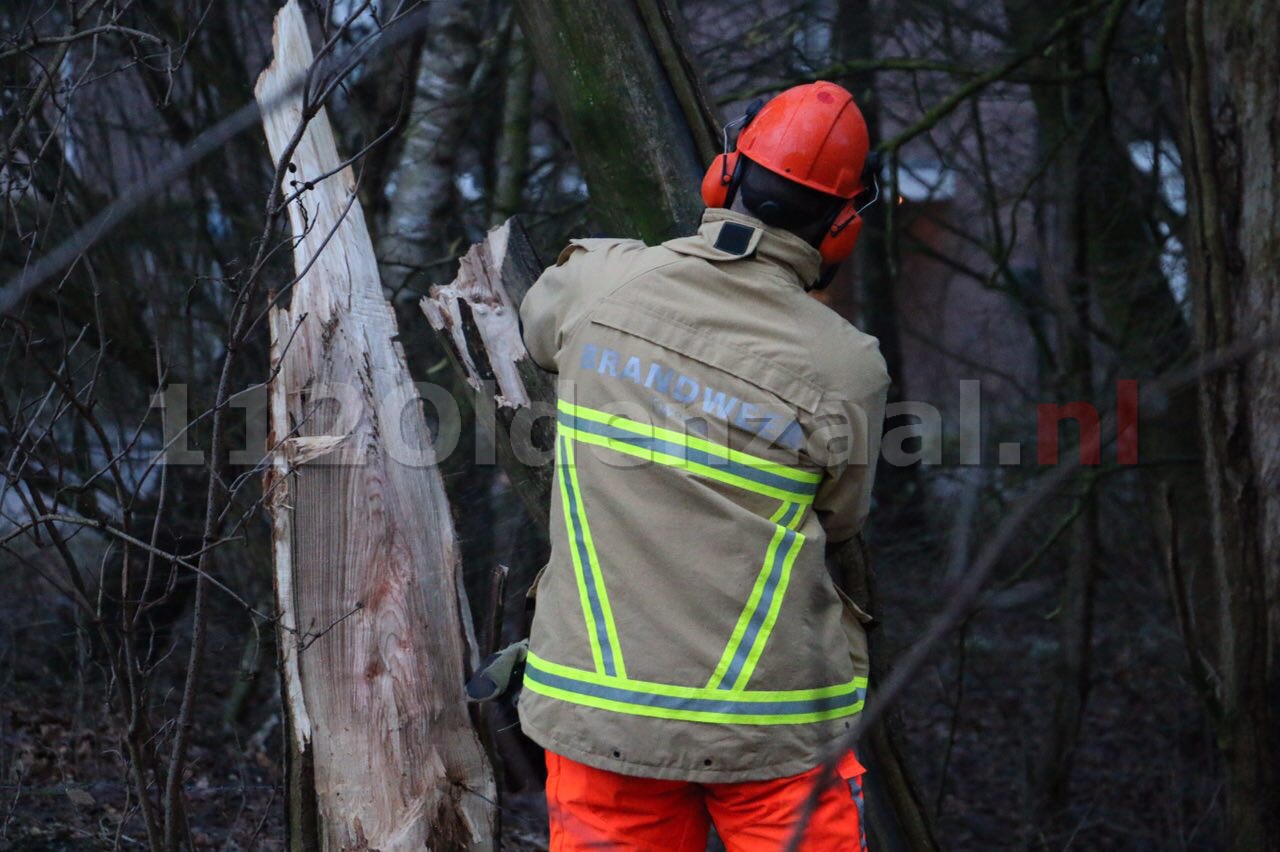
(666, 772)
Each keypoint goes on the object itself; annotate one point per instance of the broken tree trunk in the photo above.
(476, 317)
(381, 753)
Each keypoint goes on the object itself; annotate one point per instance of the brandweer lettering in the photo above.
(686, 389)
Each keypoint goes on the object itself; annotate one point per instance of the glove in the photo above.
(499, 674)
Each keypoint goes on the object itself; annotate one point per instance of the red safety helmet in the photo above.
(812, 134)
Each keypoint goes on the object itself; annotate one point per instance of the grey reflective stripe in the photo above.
(589, 576)
(642, 698)
(690, 454)
(855, 788)
(763, 606)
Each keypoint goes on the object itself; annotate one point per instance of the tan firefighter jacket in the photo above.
(715, 428)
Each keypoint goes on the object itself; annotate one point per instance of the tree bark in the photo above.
(512, 166)
(422, 228)
(636, 114)
(1098, 258)
(381, 753)
(1227, 65)
(1064, 248)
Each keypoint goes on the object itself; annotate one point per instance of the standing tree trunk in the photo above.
(511, 168)
(636, 114)
(381, 753)
(1099, 260)
(1064, 249)
(423, 227)
(1227, 67)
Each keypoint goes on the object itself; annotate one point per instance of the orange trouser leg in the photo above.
(761, 816)
(591, 808)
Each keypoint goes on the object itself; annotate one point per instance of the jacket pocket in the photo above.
(852, 619)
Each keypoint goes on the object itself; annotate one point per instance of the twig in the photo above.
(164, 175)
(63, 518)
(43, 41)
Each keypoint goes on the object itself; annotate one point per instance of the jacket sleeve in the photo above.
(547, 307)
(848, 446)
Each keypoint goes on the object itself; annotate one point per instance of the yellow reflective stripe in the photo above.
(692, 715)
(649, 431)
(675, 691)
(693, 467)
(775, 605)
(753, 601)
(769, 588)
(596, 569)
(611, 655)
(640, 698)
(565, 463)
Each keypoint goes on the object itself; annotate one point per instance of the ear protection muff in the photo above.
(842, 231)
(720, 183)
(837, 242)
(721, 180)
(841, 235)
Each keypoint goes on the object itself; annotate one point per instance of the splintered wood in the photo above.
(477, 318)
(382, 753)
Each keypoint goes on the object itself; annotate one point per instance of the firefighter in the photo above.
(691, 659)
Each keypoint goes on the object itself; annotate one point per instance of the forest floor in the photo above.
(63, 781)
(1144, 776)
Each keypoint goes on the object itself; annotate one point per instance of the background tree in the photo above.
(1232, 166)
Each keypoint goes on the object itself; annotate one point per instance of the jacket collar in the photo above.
(799, 260)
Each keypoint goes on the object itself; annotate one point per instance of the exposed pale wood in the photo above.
(382, 753)
(477, 316)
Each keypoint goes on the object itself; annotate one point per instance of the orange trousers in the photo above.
(595, 809)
